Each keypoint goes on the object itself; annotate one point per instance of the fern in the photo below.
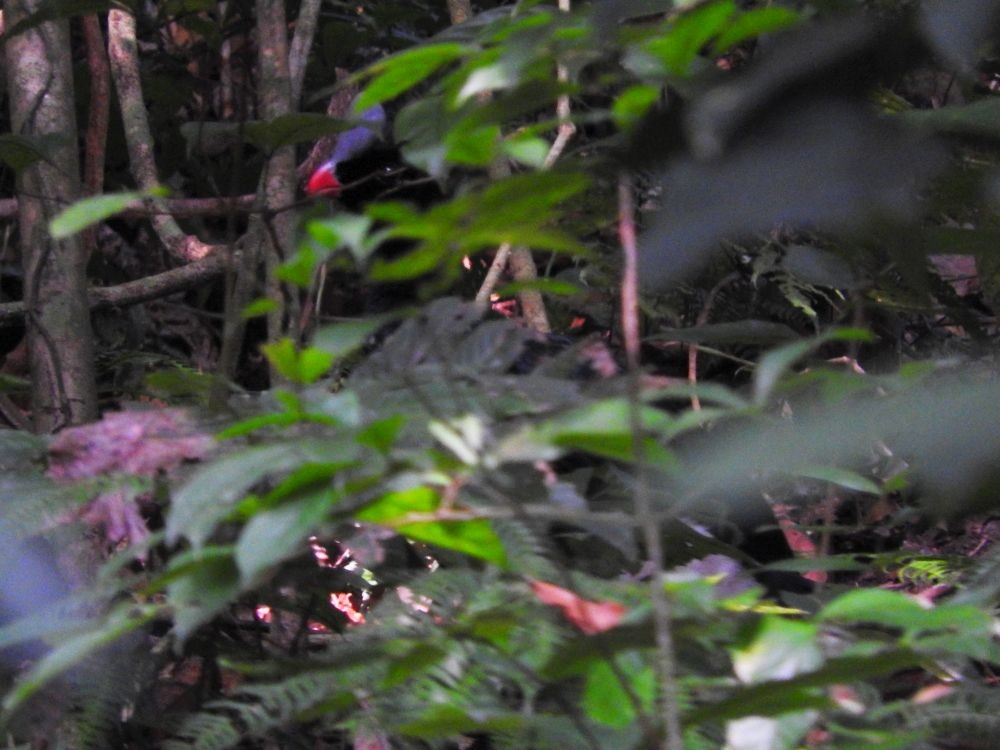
(971, 712)
(255, 710)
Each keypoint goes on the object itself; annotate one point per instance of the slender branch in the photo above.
(278, 181)
(97, 122)
(135, 292)
(124, 57)
(693, 348)
(520, 260)
(302, 40)
(662, 606)
(496, 268)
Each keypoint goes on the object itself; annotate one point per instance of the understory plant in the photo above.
(442, 528)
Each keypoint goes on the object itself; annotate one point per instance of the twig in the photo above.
(522, 263)
(701, 320)
(662, 606)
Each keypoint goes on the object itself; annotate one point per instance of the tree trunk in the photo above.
(60, 341)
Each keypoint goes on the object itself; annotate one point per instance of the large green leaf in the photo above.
(401, 72)
(475, 537)
(273, 536)
(89, 211)
(207, 582)
(213, 491)
(288, 130)
(607, 700)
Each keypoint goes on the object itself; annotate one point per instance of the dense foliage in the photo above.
(440, 527)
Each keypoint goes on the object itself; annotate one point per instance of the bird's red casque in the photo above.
(324, 181)
(354, 142)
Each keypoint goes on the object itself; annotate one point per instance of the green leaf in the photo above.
(346, 228)
(301, 267)
(633, 103)
(303, 366)
(689, 33)
(287, 130)
(206, 588)
(416, 660)
(90, 211)
(886, 607)
(214, 489)
(275, 535)
(259, 307)
(980, 118)
(382, 434)
(604, 428)
(411, 265)
(527, 149)
(777, 697)
(753, 23)
(475, 538)
(775, 364)
(606, 700)
(777, 649)
(421, 126)
(442, 721)
(473, 146)
(845, 478)
(75, 649)
(313, 364)
(404, 71)
(342, 339)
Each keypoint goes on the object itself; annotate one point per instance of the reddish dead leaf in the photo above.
(119, 514)
(137, 443)
(366, 738)
(958, 270)
(590, 617)
(127, 443)
(932, 693)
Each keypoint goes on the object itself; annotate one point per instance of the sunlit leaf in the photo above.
(405, 70)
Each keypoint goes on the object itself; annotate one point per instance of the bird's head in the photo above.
(350, 144)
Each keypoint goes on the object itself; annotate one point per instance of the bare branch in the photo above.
(124, 58)
(663, 616)
(302, 41)
(520, 260)
(135, 292)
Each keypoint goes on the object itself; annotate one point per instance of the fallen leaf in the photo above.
(590, 617)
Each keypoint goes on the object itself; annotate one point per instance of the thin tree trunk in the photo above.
(275, 100)
(60, 340)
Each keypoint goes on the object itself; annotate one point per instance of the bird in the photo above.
(351, 144)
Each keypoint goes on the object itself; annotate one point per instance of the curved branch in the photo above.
(124, 58)
(149, 288)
